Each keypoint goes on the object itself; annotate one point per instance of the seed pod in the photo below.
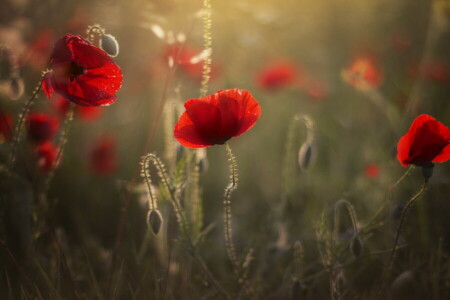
(356, 246)
(109, 44)
(16, 88)
(154, 220)
(427, 170)
(306, 155)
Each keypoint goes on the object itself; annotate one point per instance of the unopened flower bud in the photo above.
(306, 155)
(16, 88)
(154, 220)
(109, 44)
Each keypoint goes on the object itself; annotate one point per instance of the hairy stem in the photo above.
(232, 185)
(18, 128)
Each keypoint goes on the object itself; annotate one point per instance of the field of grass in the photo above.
(331, 182)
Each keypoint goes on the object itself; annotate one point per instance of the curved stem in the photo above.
(96, 28)
(408, 205)
(232, 185)
(18, 127)
(61, 144)
(400, 180)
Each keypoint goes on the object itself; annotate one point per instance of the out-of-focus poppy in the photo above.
(47, 153)
(372, 170)
(83, 113)
(40, 46)
(5, 127)
(216, 118)
(41, 127)
(427, 141)
(363, 73)
(82, 73)
(103, 156)
(316, 90)
(189, 60)
(277, 75)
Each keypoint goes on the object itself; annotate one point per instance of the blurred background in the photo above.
(360, 71)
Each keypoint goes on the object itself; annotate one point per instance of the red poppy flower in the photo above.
(5, 127)
(278, 75)
(216, 118)
(47, 154)
(82, 73)
(103, 157)
(427, 141)
(363, 73)
(41, 127)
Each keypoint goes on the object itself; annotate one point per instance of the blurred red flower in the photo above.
(82, 73)
(363, 73)
(371, 170)
(401, 41)
(39, 48)
(41, 127)
(277, 75)
(84, 113)
(427, 141)
(189, 60)
(103, 156)
(47, 154)
(5, 127)
(316, 90)
(216, 118)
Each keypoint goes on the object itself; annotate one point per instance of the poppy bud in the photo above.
(154, 220)
(427, 170)
(356, 246)
(16, 88)
(306, 155)
(109, 44)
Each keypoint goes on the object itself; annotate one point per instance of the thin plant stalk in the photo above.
(61, 144)
(232, 186)
(18, 128)
(408, 205)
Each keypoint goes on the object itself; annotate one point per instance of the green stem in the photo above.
(408, 205)
(18, 128)
(232, 185)
(61, 144)
(400, 180)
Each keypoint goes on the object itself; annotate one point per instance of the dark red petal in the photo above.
(62, 51)
(187, 134)
(250, 111)
(444, 155)
(403, 146)
(47, 85)
(430, 137)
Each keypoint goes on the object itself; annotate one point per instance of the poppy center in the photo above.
(75, 70)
